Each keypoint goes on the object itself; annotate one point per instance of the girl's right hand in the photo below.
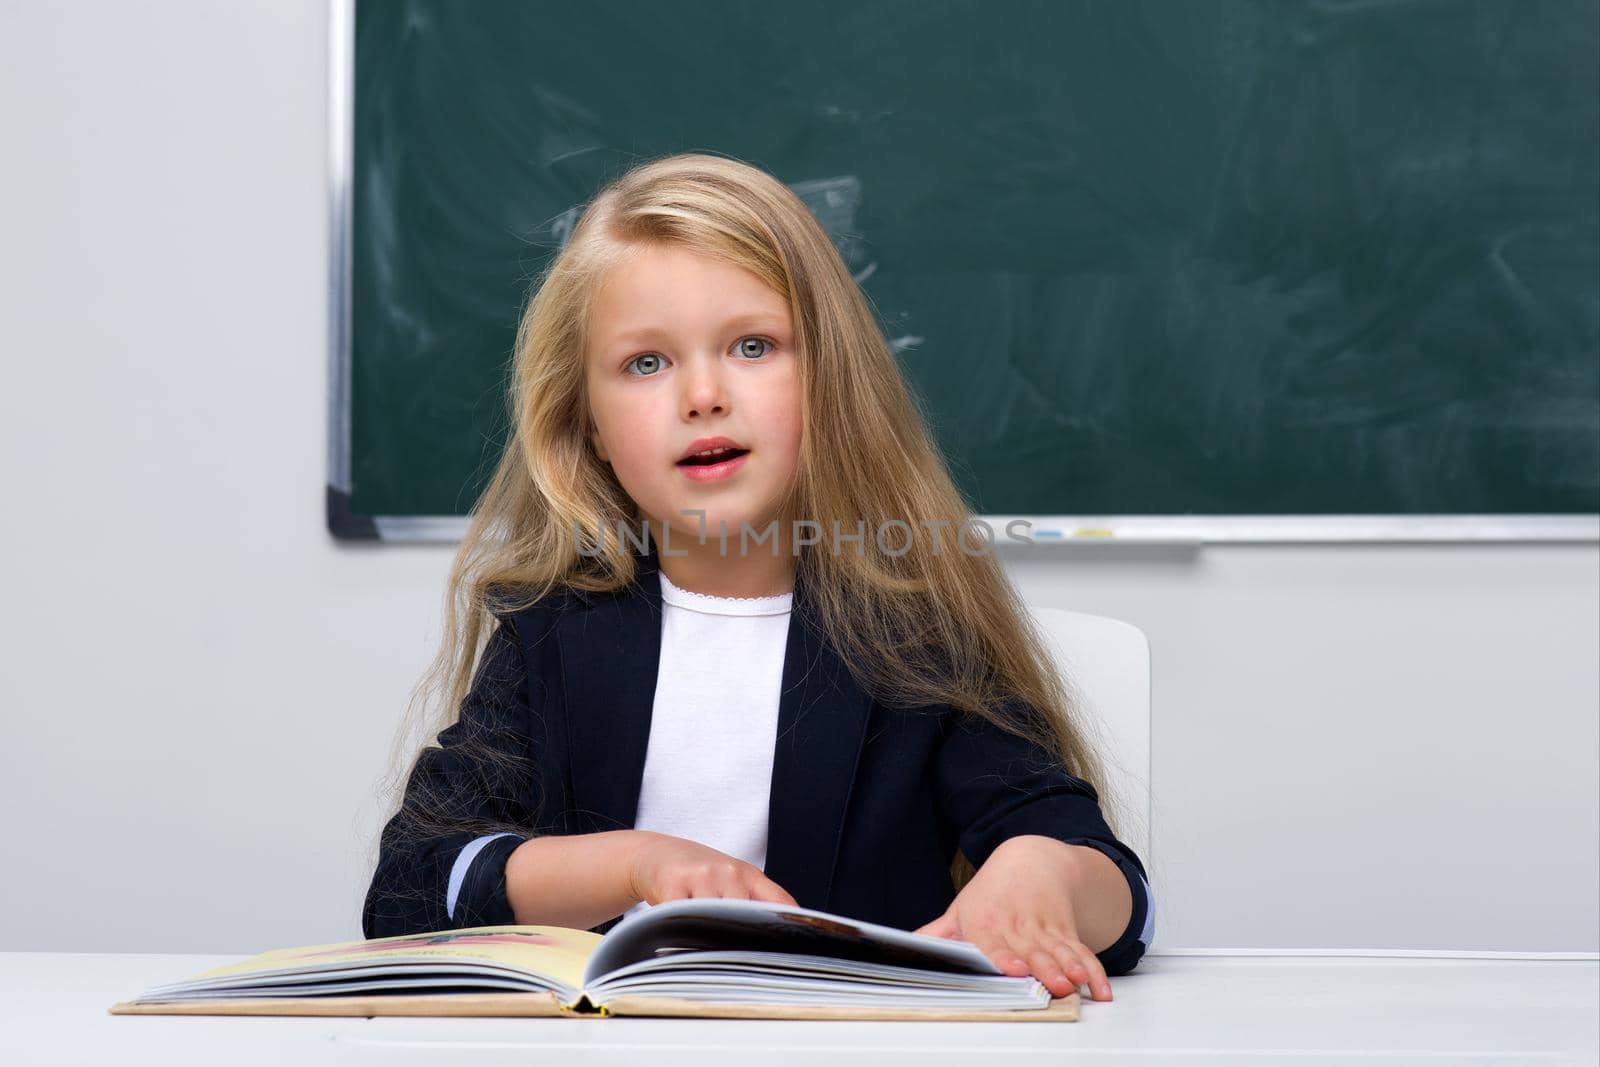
(674, 868)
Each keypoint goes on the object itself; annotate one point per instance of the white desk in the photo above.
(1174, 1009)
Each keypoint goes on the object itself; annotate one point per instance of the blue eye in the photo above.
(760, 340)
(742, 348)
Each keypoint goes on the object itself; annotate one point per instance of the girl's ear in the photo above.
(599, 446)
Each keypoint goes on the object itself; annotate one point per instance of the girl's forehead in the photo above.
(656, 290)
(671, 268)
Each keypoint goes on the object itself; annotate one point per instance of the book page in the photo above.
(710, 924)
(552, 953)
(782, 978)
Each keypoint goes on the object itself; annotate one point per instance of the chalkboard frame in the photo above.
(345, 524)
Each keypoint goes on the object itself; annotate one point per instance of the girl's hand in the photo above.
(1018, 910)
(674, 868)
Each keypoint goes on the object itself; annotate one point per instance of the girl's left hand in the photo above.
(1018, 910)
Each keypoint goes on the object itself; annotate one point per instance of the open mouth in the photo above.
(714, 456)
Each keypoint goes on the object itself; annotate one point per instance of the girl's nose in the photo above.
(703, 392)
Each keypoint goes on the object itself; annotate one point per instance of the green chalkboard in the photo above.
(1243, 258)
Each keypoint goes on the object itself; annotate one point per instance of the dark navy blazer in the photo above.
(868, 804)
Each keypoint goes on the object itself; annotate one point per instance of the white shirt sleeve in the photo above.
(458, 872)
(1149, 915)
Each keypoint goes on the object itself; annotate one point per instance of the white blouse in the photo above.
(714, 721)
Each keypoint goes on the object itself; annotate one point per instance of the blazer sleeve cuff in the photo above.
(483, 900)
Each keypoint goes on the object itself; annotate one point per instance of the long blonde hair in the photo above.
(935, 625)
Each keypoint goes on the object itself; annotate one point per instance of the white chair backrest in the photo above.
(1108, 661)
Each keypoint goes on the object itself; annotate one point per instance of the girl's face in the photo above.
(682, 348)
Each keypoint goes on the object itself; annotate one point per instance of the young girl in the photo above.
(704, 636)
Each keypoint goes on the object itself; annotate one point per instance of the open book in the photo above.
(699, 957)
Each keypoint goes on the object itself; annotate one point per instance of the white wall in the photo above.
(1390, 746)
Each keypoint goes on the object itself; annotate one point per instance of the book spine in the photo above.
(584, 1006)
